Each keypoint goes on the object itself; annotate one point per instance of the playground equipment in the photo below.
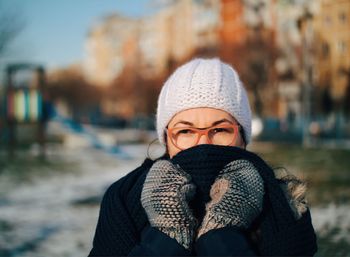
(76, 128)
(24, 103)
(29, 104)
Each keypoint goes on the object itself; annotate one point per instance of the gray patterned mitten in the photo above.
(165, 195)
(236, 197)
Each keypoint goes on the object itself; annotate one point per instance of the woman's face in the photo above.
(201, 118)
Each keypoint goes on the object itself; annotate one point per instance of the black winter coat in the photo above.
(123, 228)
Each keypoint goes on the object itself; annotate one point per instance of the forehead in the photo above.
(201, 116)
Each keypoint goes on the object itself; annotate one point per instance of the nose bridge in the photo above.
(203, 139)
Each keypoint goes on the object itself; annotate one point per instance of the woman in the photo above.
(207, 195)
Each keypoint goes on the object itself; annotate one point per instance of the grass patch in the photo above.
(26, 168)
(326, 171)
(327, 246)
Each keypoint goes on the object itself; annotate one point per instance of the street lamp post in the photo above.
(305, 26)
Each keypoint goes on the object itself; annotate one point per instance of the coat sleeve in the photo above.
(227, 241)
(156, 243)
(107, 233)
(116, 233)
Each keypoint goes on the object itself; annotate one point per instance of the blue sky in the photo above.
(55, 30)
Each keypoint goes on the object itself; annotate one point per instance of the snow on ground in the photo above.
(332, 217)
(44, 217)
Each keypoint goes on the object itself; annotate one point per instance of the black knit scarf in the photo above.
(203, 163)
(122, 217)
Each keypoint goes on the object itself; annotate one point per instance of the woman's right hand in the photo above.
(165, 195)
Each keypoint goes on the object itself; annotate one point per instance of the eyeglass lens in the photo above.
(188, 137)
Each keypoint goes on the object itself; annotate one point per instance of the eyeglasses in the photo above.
(186, 137)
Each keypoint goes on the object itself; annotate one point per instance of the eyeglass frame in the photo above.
(205, 131)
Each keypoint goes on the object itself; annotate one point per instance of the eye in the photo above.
(222, 130)
(184, 131)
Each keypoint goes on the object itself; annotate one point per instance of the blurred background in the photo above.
(79, 82)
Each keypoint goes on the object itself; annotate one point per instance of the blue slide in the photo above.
(77, 128)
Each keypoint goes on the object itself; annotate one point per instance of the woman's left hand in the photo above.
(236, 197)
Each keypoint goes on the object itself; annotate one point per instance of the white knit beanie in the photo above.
(203, 83)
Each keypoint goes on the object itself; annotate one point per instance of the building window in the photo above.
(342, 17)
(325, 50)
(341, 47)
(327, 21)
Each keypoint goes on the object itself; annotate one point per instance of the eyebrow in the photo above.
(213, 124)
